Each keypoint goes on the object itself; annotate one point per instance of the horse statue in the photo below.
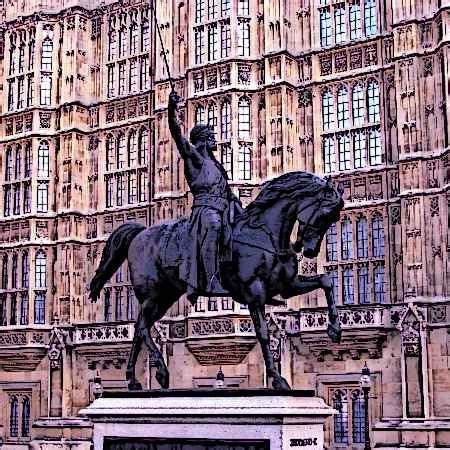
(264, 262)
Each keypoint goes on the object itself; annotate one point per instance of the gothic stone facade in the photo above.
(357, 89)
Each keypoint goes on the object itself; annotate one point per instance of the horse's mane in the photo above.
(293, 184)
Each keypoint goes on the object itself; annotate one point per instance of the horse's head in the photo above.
(315, 214)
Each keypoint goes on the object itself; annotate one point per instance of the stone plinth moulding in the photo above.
(279, 421)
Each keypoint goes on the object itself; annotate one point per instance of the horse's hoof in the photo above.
(335, 333)
(134, 385)
(280, 384)
(163, 379)
(129, 375)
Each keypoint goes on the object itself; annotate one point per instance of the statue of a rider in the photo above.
(213, 210)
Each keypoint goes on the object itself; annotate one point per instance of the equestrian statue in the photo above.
(223, 249)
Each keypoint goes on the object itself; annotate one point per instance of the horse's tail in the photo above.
(114, 254)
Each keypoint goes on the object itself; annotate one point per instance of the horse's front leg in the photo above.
(302, 285)
(256, 303)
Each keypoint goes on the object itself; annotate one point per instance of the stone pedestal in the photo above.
(218, 419)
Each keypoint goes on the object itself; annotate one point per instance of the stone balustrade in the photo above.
(94, 334)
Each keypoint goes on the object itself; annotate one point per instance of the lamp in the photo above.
(220, 379)
(98, 387)
(366, 384)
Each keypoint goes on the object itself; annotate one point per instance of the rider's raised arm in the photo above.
(184, 147)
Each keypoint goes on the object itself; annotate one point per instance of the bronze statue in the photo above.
(260, 264)
(213, 209)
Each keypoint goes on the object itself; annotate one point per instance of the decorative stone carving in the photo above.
(395, 215)
(340, 61)
(225, 75)
(434, 206)
(304, 98)
(325, 65)
(105, 333)
(438, 313)
(212, 326)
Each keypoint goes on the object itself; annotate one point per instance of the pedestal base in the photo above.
(201, 420)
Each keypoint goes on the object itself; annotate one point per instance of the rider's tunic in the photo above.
(211, 194)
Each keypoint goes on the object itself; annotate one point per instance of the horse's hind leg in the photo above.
(153, 310)
(133, 384)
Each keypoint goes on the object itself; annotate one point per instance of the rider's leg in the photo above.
(210, 246)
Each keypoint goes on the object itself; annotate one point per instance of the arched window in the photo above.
(14, 272)
(346, 239)
(14, 417)
(225, 120)
(18, 166)
(143, 147)
(355, 21)
(374, 147)
(226, 7)
(363, 285)
(46, 56)
(358, 105)
(5, 272)
(347, 293)
(329, 155)
(112, 44)
(378, 283)
(199, 114)
(134, 39)
(28, 159)
(9, 164)
(361, 238)
(25, 271)
(39, 308)
(340, 28)
(244, 118)
(31, 46)
(243, 7)
(373, 101)
(41, 270)
(24, 308)
(132, 149)
(43, 160)
(359, 149)
(327, 110)
(340, 403)
(370, 17)
(107, 312)
(121, 151)
(342, 107)
(21, 57)
(358, 417)
(119, 304)
(133, 75)
(110, 152)
(377, 236)
(145, 36)
(331, 243)
(245, 161)
(243, 45)
(212, 116)
(199, 10)
(123, 41)
(130, 304)
(344, 151)
(12, 58)
(26, 417)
